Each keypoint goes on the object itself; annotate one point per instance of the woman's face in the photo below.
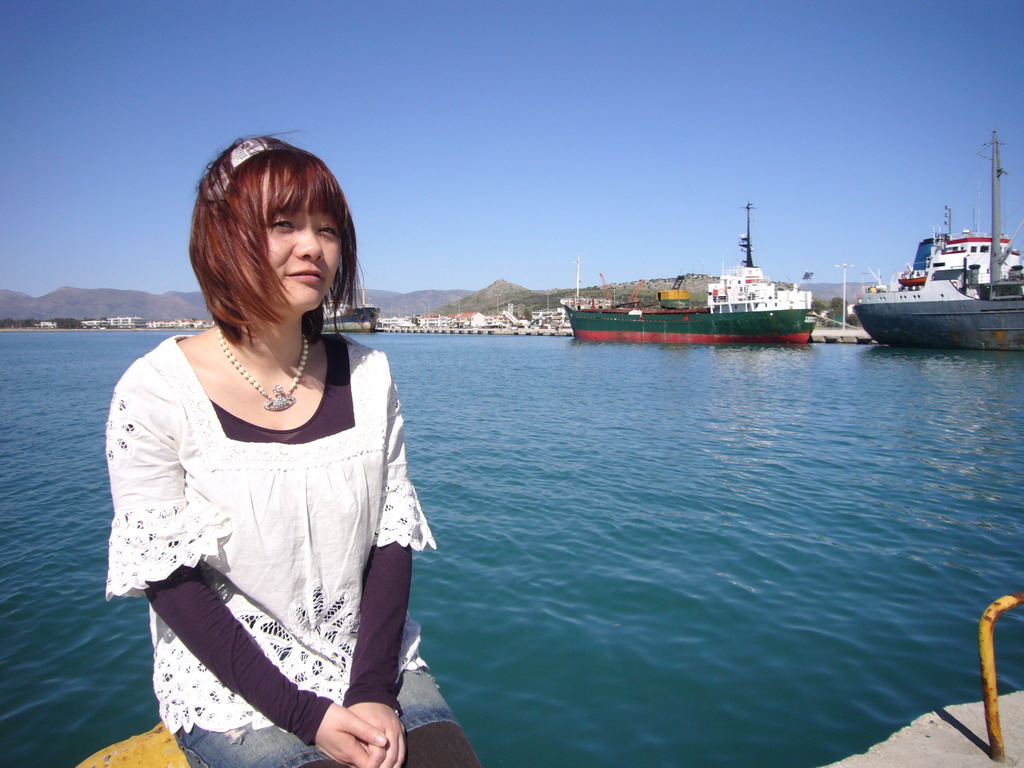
(304, 250)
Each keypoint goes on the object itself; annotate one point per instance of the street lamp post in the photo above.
(844, 268)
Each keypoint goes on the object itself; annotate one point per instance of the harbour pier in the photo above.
(948, 737)
(818, 335)
(848, 335)
(482, 331)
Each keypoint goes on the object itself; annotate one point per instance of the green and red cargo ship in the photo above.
(691, 326)
(743, 308)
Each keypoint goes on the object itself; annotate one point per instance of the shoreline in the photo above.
(94, 330)
(818, 335)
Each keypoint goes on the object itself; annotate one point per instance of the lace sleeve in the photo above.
(154, 529)
(402, 519)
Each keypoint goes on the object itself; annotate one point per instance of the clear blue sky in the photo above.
(481, 140)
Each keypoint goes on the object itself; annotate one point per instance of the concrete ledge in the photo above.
(952, 737)
(153, 749)
(849, 335)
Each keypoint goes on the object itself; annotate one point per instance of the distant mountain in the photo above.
(490, 300)
(394, 304)
(499, 294)
(86, 303)
(13, 304)
(193, 297)
(97, 303)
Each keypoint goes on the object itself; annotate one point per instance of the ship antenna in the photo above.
(577, 280)
(745, 242)
(996, 250)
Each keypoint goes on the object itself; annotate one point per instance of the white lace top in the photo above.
(282, 531)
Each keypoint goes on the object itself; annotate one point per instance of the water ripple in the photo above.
(743, 556)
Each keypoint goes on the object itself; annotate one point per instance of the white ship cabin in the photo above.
(962, 258)
(746, 289)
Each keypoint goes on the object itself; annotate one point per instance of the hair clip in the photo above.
(247, 149)
(241, 153)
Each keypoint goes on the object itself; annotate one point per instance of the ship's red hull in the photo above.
(691, 338)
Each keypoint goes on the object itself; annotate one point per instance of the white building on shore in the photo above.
(476, 320)
(435, 321)
(394, 323)
(125, 322)
(551, 318)
(189, 324)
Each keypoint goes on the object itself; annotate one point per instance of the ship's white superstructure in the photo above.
(962, 291)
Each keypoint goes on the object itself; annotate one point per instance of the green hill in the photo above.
(499, 294)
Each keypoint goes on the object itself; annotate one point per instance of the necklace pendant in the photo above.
(281, 401)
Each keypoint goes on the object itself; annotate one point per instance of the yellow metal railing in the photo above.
(989, 685)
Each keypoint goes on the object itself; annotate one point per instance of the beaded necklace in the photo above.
(282, 400)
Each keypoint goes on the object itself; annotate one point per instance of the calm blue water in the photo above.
(679, 556)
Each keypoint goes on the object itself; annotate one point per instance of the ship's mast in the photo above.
(745, 243)
(996, 250)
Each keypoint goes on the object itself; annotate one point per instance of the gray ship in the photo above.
(963, 291)
(358, 320)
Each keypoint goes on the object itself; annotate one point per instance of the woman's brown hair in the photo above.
(250, 183)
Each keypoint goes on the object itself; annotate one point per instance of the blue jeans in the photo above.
(419, 697)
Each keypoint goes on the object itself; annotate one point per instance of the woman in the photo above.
(272, 531)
